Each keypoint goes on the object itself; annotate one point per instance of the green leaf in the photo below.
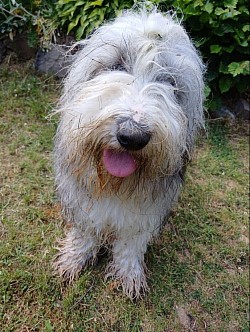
(215, 48)
(74, 23)
(246, 28)
(219, 11)
(212, 75)
(68, 12)
(80, 31)
(207, 91)
(92, 4)
(230, 3)
(209, 7)
(244, 9)
(198, 3)
(242, 43)
(228, 49)
(95, 12)
(79, 3)
(97, 3)
(239, 68)
(191, 10)
(63, 2)
(84, 19)
(116, 3)
(225, 84)
(223, 68)
(230, 14)
(205, 17)
(201, 42)
(224, 28)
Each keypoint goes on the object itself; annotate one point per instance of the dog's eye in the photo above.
(118, 67)
(166, 79)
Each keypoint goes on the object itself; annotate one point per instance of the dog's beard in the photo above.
(101, 183)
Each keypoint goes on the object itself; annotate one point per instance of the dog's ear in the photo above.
(187, 70)
(95, 56)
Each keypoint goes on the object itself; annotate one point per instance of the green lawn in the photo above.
(198, 267)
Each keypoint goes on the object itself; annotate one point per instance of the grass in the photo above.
(198, 267)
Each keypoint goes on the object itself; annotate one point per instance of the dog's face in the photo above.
(133, 101)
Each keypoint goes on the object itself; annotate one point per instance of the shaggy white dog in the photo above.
(131, 108)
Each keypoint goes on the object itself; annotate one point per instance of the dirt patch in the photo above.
(185, 319)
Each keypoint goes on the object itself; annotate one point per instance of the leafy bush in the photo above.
(33, 17)
(84, 16)
(220, 29)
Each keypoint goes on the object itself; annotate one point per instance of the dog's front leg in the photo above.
(78, 249)
(128, 262)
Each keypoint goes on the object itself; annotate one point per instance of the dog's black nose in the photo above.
(132, 136)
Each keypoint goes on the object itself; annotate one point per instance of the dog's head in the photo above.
(132, 103)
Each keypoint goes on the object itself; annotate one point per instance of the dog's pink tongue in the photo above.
(119, 164)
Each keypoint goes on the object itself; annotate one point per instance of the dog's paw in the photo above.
(133, 282)
(74, 254)
(68, 266)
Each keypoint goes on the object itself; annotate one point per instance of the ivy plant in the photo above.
(84, 16)
(220, 29)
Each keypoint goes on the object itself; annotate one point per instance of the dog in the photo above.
(130, 112)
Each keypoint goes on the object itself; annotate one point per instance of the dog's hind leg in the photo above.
(77, 250)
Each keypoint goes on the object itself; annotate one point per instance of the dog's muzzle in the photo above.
(132, 136)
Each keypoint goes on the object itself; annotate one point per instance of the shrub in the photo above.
(33, 17)
(84, 16)
(219, 28)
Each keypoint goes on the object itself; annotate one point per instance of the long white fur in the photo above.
(161, 87)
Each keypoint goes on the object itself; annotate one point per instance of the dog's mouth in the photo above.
(119, 163)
